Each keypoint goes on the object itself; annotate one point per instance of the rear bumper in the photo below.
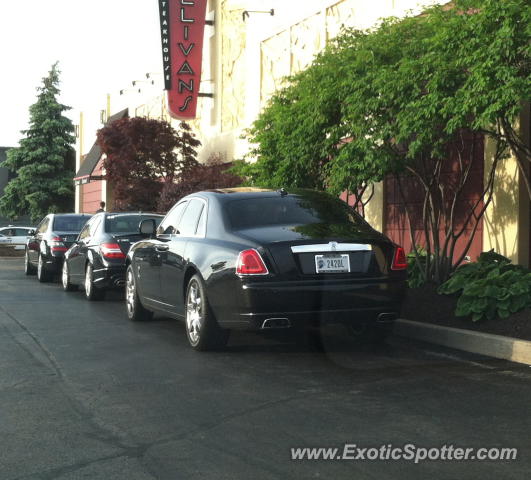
(110, 277)
(54, 262)
(278, 320)
(296, 303)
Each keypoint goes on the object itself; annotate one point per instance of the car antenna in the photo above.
(283, 192)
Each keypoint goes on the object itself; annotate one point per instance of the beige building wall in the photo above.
(507, 219)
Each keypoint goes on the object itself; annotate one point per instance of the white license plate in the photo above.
(332, 263)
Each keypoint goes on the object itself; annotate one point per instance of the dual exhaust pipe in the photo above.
(276, 323)
(389, 317)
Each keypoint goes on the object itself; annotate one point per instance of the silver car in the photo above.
(15, 236)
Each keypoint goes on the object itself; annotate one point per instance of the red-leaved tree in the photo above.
(211, 175)
(142, 155)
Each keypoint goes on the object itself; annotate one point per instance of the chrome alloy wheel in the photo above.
(64, 276)
(40, 266)
(194, 312)
(88, 281)
(130, 293)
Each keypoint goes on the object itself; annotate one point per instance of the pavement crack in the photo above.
(49, 361)
(103, 432)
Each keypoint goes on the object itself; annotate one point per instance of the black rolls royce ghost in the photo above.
(96, 260)
(263, 259)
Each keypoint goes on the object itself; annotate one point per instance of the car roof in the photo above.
(71, 214)
(132, 213)
(15, 226)
(227, 194)
(224, 195)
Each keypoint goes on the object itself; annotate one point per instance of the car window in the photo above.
(93, 227)
(290, 210)
(43, 225)
(127, 223)
(190, 218)
(21, 232)
(69, 223)
(85, 232)
(201, 225)
(170, 223)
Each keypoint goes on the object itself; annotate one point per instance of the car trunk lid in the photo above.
(125, 240)
(319, 251)
(68, 238)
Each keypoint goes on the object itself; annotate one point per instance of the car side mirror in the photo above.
(31, 232)
(148, 227)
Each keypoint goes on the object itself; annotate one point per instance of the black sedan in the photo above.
(47, 244)
(96, 260)
(263, 259)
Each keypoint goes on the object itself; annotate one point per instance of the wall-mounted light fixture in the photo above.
(123, 91)
(136, 82)
(103, 116)
(246, 13)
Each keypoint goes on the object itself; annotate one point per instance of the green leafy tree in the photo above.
(45, 161)
(407, 98)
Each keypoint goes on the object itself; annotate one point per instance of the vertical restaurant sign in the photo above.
(182, 24)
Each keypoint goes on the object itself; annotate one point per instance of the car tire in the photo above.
(136, 312)
(43, 275)
(91, 291)
(29, 269)
(202, 329)
(65, 279)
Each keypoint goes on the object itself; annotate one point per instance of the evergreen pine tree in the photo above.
(45, 161)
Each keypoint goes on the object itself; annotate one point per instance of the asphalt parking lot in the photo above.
(86, 394)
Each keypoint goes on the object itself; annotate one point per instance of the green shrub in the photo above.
(490, 287)
(416, 269)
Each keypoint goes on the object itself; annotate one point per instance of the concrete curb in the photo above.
(497, 346)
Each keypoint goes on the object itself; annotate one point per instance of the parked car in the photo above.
(254, 259)
(16, 236)
(47, 244)
(96, 260)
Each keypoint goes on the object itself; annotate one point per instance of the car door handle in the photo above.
(162, 248)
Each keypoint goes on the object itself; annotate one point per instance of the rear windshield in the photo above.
(69, 224)
(290, 210)
(127, 223)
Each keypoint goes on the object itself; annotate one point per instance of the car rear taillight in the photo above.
(57, 245)
(250, 263)
(111, 250)
(399, 260)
